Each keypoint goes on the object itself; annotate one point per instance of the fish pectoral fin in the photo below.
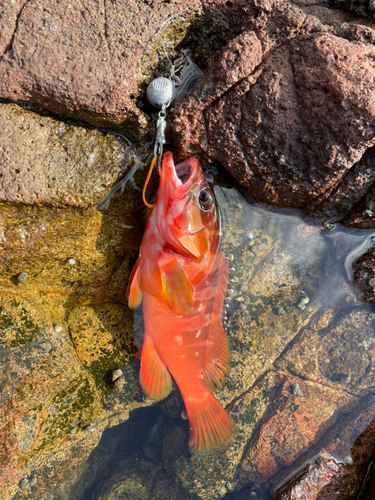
(134, 292)
(154, 376)
(176, 287)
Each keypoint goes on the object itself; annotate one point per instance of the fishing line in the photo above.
(160, 93)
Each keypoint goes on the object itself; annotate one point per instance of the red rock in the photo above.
(310, 482)
(83, 60)
(337, 353)
(298, 115)
(292, 425)
(350, 441)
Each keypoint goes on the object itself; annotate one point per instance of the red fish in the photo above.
(181, 275)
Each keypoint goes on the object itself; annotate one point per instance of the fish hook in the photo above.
(146, 184)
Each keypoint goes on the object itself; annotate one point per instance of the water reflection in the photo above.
(301, 379)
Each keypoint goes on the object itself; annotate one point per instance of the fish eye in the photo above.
(205, 199)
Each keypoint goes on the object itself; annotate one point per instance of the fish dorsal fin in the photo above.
(134, 292)
(217, 354)
(154, 376)
(176, 287)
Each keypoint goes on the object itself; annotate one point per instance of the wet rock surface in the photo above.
(286, 105)
(64, 270)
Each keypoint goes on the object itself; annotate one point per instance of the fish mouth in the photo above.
(183, 171)
(181, 174)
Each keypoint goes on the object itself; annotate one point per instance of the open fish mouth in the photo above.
(183, 171)
(180, 174)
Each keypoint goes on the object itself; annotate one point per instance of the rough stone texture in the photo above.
(102, 338)
(350, 442)
(364, 8)
(55, 399)
(274, 270)
(341, 355)
(54, 162)
(90, 61)
(287, 108)
(312, 480)
(364, 274)
(293, 423)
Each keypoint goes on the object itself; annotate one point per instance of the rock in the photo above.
(50, 388)
(260, 109)
(368, 484)
(56, 205)
(364, 274)
(344, 453)
(55, 163)
(342, 358)
(120, 468)
(312, 480)
(292, 425)
(94, 61)
(102, 338)
(359, 7)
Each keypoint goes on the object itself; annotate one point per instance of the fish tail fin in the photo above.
(211, 427)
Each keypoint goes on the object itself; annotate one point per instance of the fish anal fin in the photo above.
(217, 354)
(154, 376)
(211, 427)
(176, 287)
(134, 292)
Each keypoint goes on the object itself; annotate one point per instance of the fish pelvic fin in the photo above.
(217, 355)
(154, 377)
(134, 292)
(176, 287)
(211, 427)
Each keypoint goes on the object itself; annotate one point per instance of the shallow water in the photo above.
(301, 381)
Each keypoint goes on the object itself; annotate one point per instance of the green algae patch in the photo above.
(18, 325)
(102, 336)
(74, 406)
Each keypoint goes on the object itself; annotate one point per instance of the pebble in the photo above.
(348, 460)
(303, 302)
(46, 346)
(89, 428)
(73, 431)
(24, 484)
(328, 224)
(57, 327)
(22, 277)
(116, 374)
(297, 390)
(184, 415)
(71, 262)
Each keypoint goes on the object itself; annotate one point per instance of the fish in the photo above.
(181, 279)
